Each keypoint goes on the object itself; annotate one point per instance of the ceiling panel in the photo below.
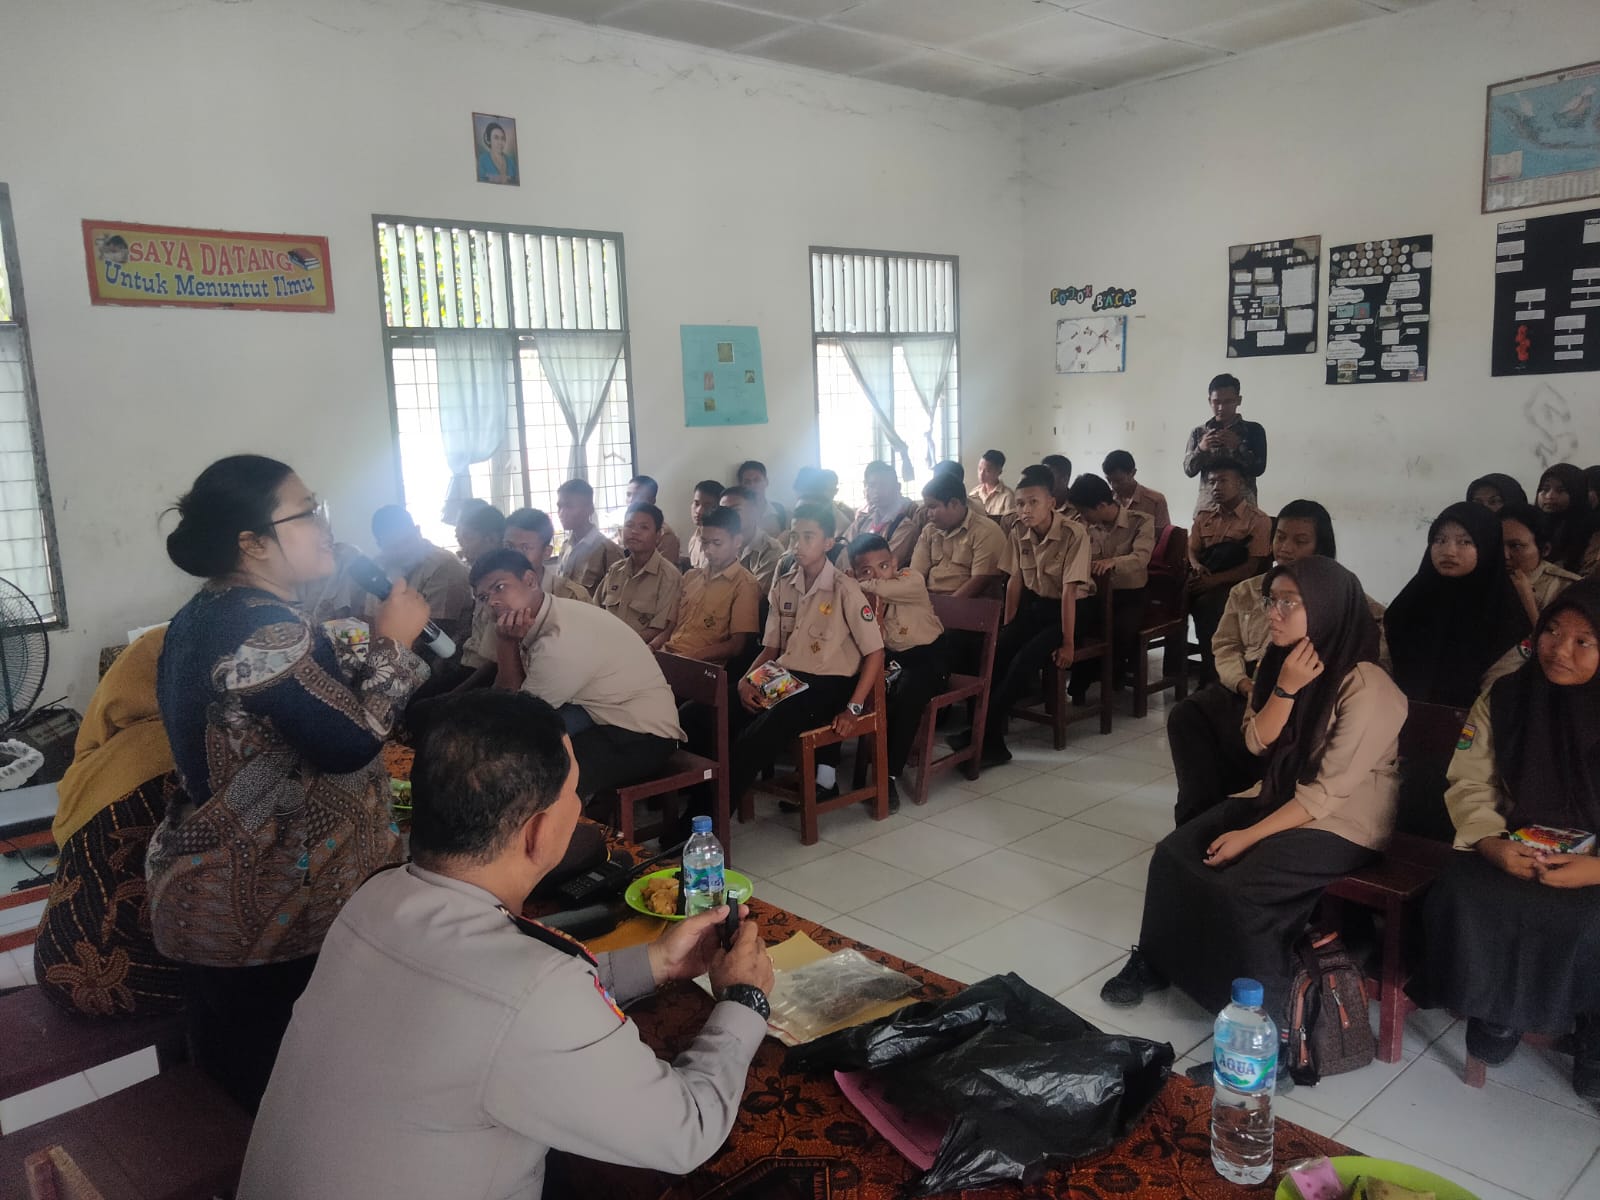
(842, 51)
(714, 25)
(946, 74)
(1171, 18)
(1294, 20)
(1165, 58)
(573, 10)
(1039, 90)
(939, 22)
(805, 10)
(1057, 42)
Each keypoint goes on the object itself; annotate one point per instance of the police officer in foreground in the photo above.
(445, 1044)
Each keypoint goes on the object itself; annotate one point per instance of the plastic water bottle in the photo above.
(1245, 1073)
(703, 884)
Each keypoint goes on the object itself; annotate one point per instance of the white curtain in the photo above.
(473, 378)
(928, 361)
(580, 368)
(872, 362)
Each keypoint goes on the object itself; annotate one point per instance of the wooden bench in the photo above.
(41, 1042)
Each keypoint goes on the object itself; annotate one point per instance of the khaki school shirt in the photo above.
(669, 547)
(908, 518)
(1549, 581)
(998, 503)
(1127, 542)
(587, 560)
(480, 648)
(1357, 787)
(695, 549)
(905, 611)
(1243, 634)
(578, 653)
(1246, 523)
(825, 629)
(713, 608)
(1150, 502)
(1476, 796)
(439, 1051)
(977, 546)
(1050, 562)
(645, 599)
(440, 578)
(760, 558)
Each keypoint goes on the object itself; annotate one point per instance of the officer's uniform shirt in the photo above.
(822, 630)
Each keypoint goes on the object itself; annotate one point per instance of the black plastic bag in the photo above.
(1027, 1079)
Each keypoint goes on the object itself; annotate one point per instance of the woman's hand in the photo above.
(747, 696)
(1568, 870)
(1300, 667)
(401, 617)
(1517, 859)
(1229, 847)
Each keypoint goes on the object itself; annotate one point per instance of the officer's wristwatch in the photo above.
(749, 995)
(855, 710)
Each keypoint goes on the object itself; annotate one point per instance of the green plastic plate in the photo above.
(1415, 1178)
(739, 886)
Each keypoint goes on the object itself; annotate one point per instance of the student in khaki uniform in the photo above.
(642, 590)
(911, 632)
(822, 630)
(991, 495)
(610, 690)
(1120, 542)
(893, 517)
(707, 498)
(1052, 569)
(434, 573)
(719, 608)
(761, 552)
(1537, 580)
(821, 487)
(1230, 541)
(752, 474)
(480, 529)
(642, 489)
(1512, 930)
(959, 552)
(499, 1038)
(589, 553)
(1120, 472)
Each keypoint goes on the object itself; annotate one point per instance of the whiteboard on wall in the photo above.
(1091, 345)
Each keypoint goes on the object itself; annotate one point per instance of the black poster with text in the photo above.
(1547, 295)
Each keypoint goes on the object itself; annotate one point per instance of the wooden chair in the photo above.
(1165, 624)
(692, 682)
(41, 1042)
(1395, 884)
(973, 616)
(1056, 712)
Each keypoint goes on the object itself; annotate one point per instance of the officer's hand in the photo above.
(747, 962)
(687, 950)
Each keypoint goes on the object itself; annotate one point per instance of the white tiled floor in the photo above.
(1039, 868)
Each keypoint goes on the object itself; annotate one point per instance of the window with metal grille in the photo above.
(886, 340)
(28, 554)
(507, 349)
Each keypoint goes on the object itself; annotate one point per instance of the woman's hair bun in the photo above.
(233, 495)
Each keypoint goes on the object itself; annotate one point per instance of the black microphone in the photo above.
(372, 579)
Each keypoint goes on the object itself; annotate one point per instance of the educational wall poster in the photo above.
(206, 268)
(1091, 345)
(1541, 140)
(1547, 295)
(722, 379)
(1272, 297)
(1379, 300)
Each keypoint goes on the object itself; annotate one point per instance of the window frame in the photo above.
(30, 386)
(398, 335)
(818, 337)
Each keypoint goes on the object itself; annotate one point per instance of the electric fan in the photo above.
(24, 654)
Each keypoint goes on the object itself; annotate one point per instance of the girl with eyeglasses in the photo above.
(276, 740)
(1229, 892)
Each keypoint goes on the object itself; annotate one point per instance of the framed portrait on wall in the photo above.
(1541, 139)
(494, 144)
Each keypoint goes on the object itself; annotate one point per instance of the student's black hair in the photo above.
(818, 512)
(490, 128)
(391, 521)
(1039, 476)
(1534, 518)
(944, 489)
(711, 487)
(1223, 466)
(503, 559)
(490, 760)
(233, 495)
(1090, 491)
(1310, 510)
(576, 487)
(649, 510)
(725, 519)
(996, 457)
(878, 467)
(807, 481)
(751, 464)
(534, 520)
(483, 519)
(646, 481)
(950, 466)
(1218, 382)
(1119, 460)
(740, 492)
(869, 543)
(828, 479)
(1059, 465)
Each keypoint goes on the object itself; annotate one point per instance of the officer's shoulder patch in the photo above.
(1469, 734)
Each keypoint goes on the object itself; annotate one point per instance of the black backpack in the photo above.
(1329, 1031)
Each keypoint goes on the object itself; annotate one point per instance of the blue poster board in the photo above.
(723, 383)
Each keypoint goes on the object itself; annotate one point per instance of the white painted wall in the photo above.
(308, 116)
(1369, 133)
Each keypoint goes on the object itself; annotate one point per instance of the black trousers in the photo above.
(1025, 645)
(924, 673)
(1206, 609)
(761, 736)
(610, 757)
(1127, 611)
(237, 1019)
(1205, 733)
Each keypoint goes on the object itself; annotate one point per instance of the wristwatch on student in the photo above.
(1283, 695)
(855, 710)
(749, 995)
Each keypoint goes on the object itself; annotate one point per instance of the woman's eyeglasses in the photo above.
(1283, 604)
(317, 512)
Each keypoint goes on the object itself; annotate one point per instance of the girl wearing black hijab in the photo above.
(1230, 891)
(1513, 933)
(1459, 616)
(1564, 499)
(1494, 491)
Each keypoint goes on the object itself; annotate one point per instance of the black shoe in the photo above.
(994, 754)
(823, 794)
(894, 797)
(1128, 986)
(1492, 1044)
(961, 740)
